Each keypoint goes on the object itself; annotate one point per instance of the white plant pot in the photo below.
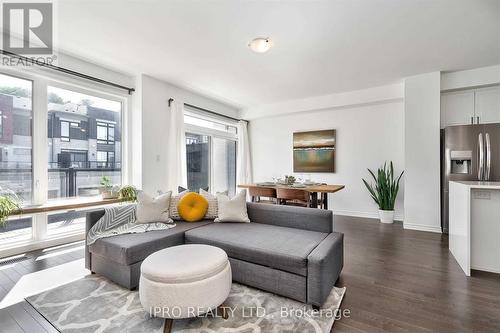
(386, 216)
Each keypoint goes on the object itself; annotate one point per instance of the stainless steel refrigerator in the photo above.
(470, 153)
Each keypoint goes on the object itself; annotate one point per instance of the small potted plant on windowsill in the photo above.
(9, 203)
(128, 193)
(108, 191)
(384, 191)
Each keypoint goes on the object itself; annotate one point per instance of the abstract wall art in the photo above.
(314, 151)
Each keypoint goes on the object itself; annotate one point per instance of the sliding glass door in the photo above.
(210, 153)
(224, 165)
(198, 161)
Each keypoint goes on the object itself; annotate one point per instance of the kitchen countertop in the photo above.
(477, 184)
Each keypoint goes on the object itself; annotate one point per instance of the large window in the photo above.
(54, 150)
(211, 153)
(16, 168)
(83, 141)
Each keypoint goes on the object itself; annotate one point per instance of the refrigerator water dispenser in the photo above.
(461, 161)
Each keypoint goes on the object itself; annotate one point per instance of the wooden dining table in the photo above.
(321, 190)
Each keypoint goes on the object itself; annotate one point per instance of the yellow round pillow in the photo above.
(192, 207)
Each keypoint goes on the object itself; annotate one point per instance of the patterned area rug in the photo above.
(94, 304)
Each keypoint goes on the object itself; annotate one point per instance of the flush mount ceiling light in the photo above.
(260, 44)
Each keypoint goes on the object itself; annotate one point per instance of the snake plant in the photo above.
(386, 187)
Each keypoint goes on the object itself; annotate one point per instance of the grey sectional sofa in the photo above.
(290, 251)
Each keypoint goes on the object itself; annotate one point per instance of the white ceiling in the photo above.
(320, 47)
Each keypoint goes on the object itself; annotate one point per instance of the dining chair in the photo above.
(293, 197)
(257, 193)
(322, 197)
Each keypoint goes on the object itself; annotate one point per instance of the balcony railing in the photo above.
(85, 165)
(76, 179)
(82, 181)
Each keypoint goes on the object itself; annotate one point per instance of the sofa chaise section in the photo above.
(119, 257)
(276, 247)
(291, 251)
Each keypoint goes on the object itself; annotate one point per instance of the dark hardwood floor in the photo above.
(407, 281)
(22, 317)
(397, 281)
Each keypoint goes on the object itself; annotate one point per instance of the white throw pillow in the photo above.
(232, 210)
(174, 202)
(212, 204)
(151, 210)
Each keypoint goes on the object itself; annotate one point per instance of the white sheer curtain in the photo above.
(176, 148)
(243, 162)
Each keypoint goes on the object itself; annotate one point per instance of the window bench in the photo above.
(67, 204)
(40, 232)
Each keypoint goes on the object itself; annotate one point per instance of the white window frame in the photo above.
(211, 133)
(41, 80)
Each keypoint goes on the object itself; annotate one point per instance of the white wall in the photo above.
(366, 137)
(374, 95)
(422, 152)
(155, 95)
(135, 117)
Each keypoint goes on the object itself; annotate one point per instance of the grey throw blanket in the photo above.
(119, 220)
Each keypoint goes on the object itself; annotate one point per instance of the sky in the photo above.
(10, 81)
(66, 95)
(75, 97)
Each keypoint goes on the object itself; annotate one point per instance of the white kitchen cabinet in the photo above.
(487, 105)
(457, 108)
(478, 106)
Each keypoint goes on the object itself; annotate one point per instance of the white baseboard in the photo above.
(398, 217)
(486, 269)
(369, 215)
(421, 227)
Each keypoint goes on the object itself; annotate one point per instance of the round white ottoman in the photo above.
(184, 281)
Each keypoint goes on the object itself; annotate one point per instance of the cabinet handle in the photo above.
(472, 120)
(477, 119)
